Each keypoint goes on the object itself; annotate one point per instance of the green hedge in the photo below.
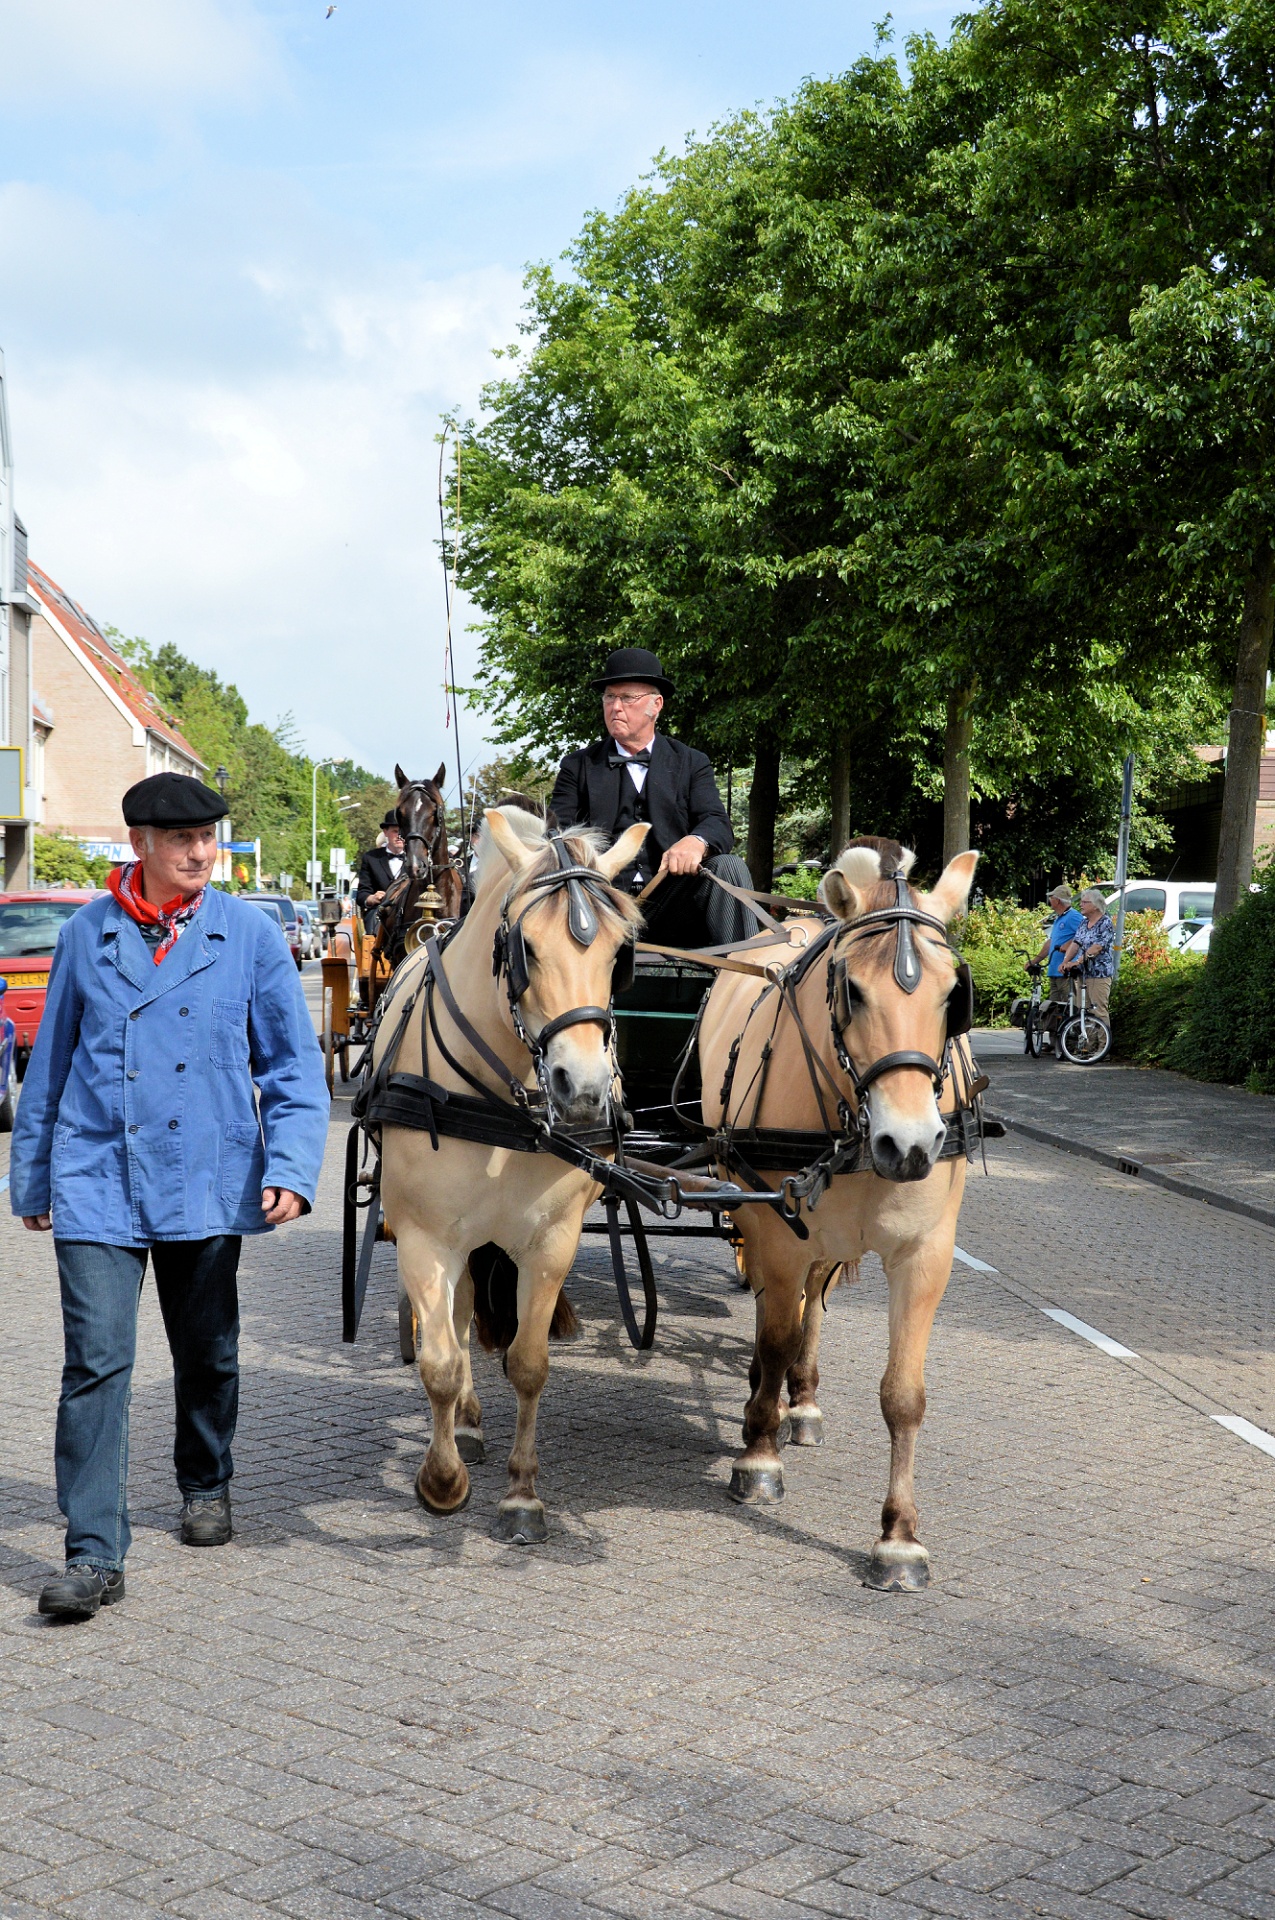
(993, 937)
(1152, 1006)
(1231, 1031)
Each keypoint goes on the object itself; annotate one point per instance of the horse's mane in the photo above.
(533, 827)
(864, 865)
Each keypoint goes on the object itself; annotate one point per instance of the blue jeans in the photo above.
(198, 1297)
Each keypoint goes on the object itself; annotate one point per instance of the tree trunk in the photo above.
(956, 771)
(840, 794)
(763, 807)
(1246, 736)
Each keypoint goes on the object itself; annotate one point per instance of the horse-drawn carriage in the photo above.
(839, 1106)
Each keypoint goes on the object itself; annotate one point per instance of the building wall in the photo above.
(91, 756)
(16, 872)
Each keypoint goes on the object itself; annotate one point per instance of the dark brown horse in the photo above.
(422, 821)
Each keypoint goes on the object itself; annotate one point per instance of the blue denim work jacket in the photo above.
(138, 1119)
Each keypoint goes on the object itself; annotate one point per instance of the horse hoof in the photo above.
(807, 1427)
(756, 1486)
(469, 1445)
(521, 1523)
(442, 1501)
(898, 1566)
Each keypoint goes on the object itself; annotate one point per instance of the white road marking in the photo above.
(1102, 1341)
(4, 1183)
(968, 1260)
(1256, 1436)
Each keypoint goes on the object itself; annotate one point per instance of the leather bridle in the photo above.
(424, 870)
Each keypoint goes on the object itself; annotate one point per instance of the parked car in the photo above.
(312, 933)
(8, 1073)
(1190, 936)
(1172, 899)
(29, 927)
(288, 919)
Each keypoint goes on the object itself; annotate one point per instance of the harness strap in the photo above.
(471, 1036)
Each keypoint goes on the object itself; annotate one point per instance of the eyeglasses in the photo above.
(624, 699)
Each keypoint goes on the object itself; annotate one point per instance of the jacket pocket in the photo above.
(243, 1166)
(229, 1046)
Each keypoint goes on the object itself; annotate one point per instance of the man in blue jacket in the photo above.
(174, 1101)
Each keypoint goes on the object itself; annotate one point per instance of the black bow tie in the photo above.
(642, 759)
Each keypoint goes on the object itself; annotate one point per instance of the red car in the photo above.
(29, 927)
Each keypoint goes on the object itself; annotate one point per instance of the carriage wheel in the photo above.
(406, 1329)
(327, 1041)
(345, 1061)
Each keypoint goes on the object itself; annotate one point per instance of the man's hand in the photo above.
(374, 899)
(280, 1206)
(37, 1222)
(685, 855)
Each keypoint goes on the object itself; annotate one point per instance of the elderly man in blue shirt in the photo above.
(1067, 923)
(174, 1101)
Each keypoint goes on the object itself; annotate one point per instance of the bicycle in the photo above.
(1034, 1028)
(1084, 1038)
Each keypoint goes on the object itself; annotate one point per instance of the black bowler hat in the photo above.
(172, 800)
(633, 663)
(390, 820)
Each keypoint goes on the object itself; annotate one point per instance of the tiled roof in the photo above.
(88, 636)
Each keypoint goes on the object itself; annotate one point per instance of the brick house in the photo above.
(104, 730)
(18, 740)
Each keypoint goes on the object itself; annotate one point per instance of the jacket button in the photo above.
(132, 1073)
(173, 1124)
(136, 1014)
(132, 1129)
(183, 1011)
(181, 1066)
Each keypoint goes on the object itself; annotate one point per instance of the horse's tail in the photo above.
(495, 1278)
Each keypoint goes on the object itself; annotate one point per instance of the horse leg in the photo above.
(917, 1282)
(429, 1279)
(805, 1420)
(520, 1517)
(469, 1412)
(756, 1474)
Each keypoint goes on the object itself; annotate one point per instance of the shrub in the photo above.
(1151, 1003)
(60, 862)
(994, 937)
(1231, 1032)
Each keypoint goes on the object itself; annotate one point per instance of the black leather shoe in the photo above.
(206, 1523)
(81, 1590)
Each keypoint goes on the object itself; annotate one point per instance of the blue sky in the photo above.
(249, 254)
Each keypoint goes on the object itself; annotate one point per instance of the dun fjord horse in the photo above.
(487, 1234)
(422, 821)
(870, 1000)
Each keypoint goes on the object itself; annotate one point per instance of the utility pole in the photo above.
(1122, 850)
(314, 824)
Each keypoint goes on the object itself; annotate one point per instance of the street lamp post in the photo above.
(314, 825)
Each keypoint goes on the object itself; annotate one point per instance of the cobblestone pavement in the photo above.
(678, 1707)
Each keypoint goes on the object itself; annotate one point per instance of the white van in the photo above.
(1171, 899)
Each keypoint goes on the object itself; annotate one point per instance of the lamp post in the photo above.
(226, 865)
(314, 824)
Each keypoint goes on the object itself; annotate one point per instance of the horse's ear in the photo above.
(838, 895)
(400, 777)
(625, 851)
(516, 852)
(953, 888)
(440, 776)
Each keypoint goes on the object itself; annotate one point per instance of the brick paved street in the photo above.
(679, 1707)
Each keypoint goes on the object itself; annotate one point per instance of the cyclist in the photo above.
(1092, 952)
(1067, 923)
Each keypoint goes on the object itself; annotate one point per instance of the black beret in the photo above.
(172, 800)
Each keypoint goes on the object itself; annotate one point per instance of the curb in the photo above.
(1122, 1163)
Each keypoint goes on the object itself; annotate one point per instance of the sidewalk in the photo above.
(1215, 1144)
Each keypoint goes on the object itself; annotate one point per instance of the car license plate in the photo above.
(23, 979)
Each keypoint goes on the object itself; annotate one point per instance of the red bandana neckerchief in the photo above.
(172, 916)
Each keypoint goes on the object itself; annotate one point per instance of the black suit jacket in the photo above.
(374, 875)
(681, 795)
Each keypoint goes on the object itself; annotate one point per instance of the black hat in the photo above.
(633, 663)
(172, 800)
(390, 820)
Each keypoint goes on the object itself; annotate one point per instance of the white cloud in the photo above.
(141, 50)
(280, 529)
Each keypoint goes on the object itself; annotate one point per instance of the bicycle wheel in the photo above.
(1085, 1040)
(1033, 1037)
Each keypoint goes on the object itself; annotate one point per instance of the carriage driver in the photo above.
(634, 773)
(174, 1101)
